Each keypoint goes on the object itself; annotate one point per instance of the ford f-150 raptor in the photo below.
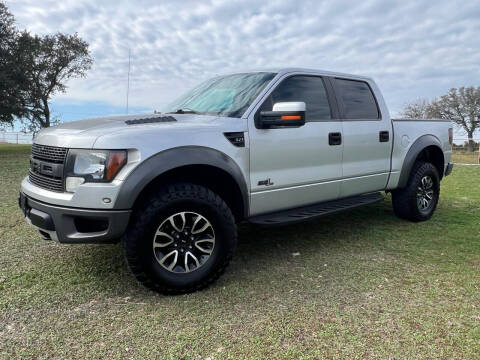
(269, 147)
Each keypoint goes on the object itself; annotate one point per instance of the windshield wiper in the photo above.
(185, 111)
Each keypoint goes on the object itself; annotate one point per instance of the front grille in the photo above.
(45, 181)
(44, 158)
(49, 153)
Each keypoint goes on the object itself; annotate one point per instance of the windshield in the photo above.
(228, 95)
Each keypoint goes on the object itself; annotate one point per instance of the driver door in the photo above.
(293, 167)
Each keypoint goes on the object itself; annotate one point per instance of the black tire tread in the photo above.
(150, 208)
(403, 199)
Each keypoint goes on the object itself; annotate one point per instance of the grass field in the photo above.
(465, 158)
(362, 284)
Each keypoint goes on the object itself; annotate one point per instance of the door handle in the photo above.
(335, 138)
(384, 136)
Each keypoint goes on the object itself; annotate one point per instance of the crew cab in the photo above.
(268, 147)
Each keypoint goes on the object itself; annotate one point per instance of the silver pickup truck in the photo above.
(271, 147)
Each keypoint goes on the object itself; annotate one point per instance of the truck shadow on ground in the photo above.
(326, 231)
(262, 247)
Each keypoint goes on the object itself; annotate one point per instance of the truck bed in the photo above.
(407, 132)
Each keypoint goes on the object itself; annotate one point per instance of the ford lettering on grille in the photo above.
(46, 167)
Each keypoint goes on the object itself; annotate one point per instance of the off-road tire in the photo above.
(143, 226)
(404, 200)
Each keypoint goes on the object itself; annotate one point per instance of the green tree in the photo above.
(461, 106)
(35, 68)
(12, 79)
(50, 62)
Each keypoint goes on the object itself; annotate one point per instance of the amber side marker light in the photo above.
(116, 160)
(291, 117)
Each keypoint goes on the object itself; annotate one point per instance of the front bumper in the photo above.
(72, 225)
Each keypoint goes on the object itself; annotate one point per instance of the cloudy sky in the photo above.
(412, 48)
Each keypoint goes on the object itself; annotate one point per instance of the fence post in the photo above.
(17, 138)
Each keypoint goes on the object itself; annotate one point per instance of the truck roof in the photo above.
(286, 70)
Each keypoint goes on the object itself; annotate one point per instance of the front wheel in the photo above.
(182, 240)
(419, 199)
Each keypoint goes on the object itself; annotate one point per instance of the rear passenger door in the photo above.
(367, 138)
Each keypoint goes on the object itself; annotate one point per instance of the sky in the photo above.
(413, 49)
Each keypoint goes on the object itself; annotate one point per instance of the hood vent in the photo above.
(157, 119)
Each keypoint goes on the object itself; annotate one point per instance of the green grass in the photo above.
(365, 285)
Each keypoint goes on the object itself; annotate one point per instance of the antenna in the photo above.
(128, 77)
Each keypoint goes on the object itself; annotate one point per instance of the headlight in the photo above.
(92, 166)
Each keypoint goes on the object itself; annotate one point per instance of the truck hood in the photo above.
(84, 133)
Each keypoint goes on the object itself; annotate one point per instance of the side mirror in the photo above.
(283, 114)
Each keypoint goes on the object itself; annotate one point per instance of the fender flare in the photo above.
(417, 147)
(157, 164)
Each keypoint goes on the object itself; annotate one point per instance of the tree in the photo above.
(12, 79)
(35, 68)
(50, 61)
(7, 22)
(417, 109)
(461, 106)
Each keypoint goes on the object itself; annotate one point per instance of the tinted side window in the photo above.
(309, 89)
(358, 100)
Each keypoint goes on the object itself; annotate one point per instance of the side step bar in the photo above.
(313, 211)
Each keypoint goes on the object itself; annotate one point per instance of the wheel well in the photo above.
(213, 178)
(433, 154)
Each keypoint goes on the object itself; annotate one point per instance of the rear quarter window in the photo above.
(357, 99)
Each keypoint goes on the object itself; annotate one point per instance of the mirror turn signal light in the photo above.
(291, 117)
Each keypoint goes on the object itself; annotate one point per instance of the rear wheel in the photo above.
(182, 240)
(418, 200)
